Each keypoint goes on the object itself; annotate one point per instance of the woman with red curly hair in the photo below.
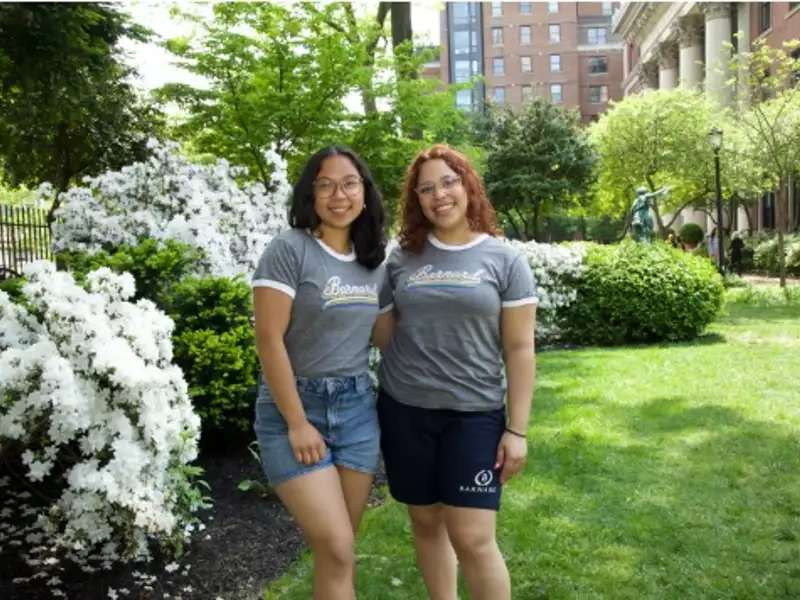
(463, 311)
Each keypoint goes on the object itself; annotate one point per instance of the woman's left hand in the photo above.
(512, 452)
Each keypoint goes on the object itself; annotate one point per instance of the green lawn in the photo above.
(668, 471)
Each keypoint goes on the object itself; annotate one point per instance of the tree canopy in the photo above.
(66, 108)
(537, 158)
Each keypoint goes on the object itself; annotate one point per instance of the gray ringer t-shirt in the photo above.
(335, 303)
(446, 351)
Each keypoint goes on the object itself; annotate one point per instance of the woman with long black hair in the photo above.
(316, 300)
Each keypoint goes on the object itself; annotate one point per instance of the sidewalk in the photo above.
(765, 280)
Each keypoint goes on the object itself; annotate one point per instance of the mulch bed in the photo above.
(248, 539)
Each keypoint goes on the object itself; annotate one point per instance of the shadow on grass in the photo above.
(693, 500)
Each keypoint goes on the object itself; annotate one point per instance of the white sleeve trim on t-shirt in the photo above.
(275, 285)
(521, 302)
(386, 308)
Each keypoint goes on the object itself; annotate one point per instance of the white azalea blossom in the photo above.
(168, 197)
(555, 269)
(86, 379)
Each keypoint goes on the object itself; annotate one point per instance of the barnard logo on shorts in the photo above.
(337, 293)
(483, 480)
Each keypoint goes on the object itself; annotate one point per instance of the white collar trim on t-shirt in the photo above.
(441, 245)
(350, 257)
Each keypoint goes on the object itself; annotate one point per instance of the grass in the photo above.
(665, 471)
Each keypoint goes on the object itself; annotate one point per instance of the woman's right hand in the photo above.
(307, 443)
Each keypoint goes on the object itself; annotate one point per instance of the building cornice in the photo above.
(631, 18)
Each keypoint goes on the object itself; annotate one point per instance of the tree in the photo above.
(770, 121)
(536, 158)
(660, 139)
(277, 74)
(66, 110)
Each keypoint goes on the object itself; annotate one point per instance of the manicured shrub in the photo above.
(765, 257)
(633, 292)
(555, 267)
(691, 233)
(168, 197)
(215, 346)
(155, 266)
(96, 416)
(213, 338)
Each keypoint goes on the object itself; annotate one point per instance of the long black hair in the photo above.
(367, 231)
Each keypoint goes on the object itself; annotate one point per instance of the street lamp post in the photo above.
(715, 139)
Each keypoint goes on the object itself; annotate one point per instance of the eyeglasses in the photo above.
(446, 183)
(325, 188)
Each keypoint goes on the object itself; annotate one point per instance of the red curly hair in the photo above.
(415, 226)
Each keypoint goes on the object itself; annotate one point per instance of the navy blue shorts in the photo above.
(441, 456)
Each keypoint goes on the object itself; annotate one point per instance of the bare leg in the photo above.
(435, 555)
(318, 505)
(472, 532)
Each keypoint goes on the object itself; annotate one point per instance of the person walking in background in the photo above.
(316, 300)
(464, 304)
(712, 244)
(737, 246)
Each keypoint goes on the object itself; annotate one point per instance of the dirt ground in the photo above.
(248, 540)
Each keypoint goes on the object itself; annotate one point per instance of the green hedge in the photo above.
(632, 292)
(691, 233)
(765, 257)
(155, 266)
(213, 340)
(216, 349)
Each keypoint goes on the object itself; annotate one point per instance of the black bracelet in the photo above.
(517, 433)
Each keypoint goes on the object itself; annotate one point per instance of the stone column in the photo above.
(667, 65)
(649, 75)
(742, 46)
(690, 39)
(718, 53)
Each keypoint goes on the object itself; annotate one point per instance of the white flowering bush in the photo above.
(168, 197)
(555, 269)
(91, 402)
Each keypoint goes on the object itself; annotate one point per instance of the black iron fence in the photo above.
(24, 237)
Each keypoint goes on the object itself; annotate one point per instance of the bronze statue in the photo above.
(641, 221)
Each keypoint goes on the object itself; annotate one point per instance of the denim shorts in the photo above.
(343, 411)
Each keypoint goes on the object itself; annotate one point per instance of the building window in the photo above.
(555, 93)
(497, 36)
(598, 94)
(464, 13)
(463, 71)
(524, 8)
(552, 7)
(555, 33)
(464, 99)
(598, 65)
(793, 6)
(527, 92)
(555, 63)
(525, 35)
(498, 66)
(764, 17)
(525, 64)
(596, 35)
(499, 95)
(465, 42)
(608, 8)
(497, 9)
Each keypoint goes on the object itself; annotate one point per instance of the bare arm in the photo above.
(383, 329)
(517, 332)
(272, 312)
